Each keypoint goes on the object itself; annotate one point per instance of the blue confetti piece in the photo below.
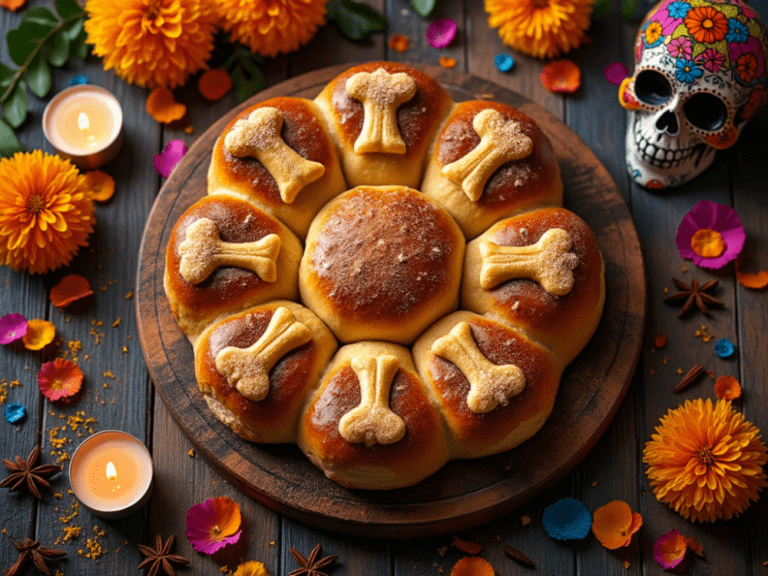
(504, 62)
(567, 519)
(15, 412)
(724, 348)
(79, 79)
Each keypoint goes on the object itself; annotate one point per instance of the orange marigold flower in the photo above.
(70, 288)
(541, 28)
(39, 334)
(706, 461)
(213, 84)
(269, 28)
(615, 523)
(153, 43)
(472, 566)
(706, 24)
(101, 184)
(59, 378)
(46, 211)
(163, 108)
(251, 568)
(727, 388)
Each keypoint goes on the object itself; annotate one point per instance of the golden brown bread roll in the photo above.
(281, 340)
(371, 423)
(495, 387)
(224, 266)
(563, 320)
(504, 187)
(383, 132)
(381, 263)
(298, 150)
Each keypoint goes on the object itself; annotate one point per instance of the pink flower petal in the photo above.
(12, 327)
(165, 163)
(670, 549)
(616, 72)
(719, 217)
(441, 33)
(201, 520)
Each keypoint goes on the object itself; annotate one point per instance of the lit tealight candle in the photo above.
(84, 123)
(111, 474)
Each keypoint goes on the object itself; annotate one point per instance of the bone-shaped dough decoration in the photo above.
(381, 93)
(247, 369)
(501, 141)
(259, 136)
(372, 421)
(490, 384)
(548, 262)
(203, 251)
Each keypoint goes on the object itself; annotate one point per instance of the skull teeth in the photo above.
(660, 157)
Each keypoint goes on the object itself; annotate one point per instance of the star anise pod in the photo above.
(25, 471)
(694, 295)
(311, 566)
(160, 558)
(32, 549)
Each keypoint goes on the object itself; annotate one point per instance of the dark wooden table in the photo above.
(111, 354)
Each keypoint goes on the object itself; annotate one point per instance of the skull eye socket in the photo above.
(705, 111)
(652, 88)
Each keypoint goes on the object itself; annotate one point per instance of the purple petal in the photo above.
(165, 163)
(719, 217)
(658, 550)
(12, 327)
(441, 33)
(616, 72)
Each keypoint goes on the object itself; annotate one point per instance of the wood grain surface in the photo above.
(463, 493)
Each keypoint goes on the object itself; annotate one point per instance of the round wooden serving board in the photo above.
(463, 493)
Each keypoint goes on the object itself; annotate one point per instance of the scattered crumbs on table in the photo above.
(525, 520)
(189, 130)
(627, 564)
(97, 322)
(72, 532)
(97, 336)
(271, 542)
(594, 484)
(442, 550)
(3, 390)
(108, 374)
(679, 370)
(684, 269)
(67, 319)
(74, 346)
(125, 350)
(74, 510)
(652, 372)
(106, 385)
(703, 334)
(130, 336)
(666, 289)
(95, 550)
(710, 373)
(58, 495)
(129, 296)
(666, 359)
(191, 453)
(116, 323)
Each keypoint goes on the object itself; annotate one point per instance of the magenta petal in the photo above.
(441, 33)
(714, 216)
(201, 518)
(658, 550)
(616, 72)
(12, 327)
(165, 163)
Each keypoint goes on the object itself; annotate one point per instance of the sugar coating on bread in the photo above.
(385, 179)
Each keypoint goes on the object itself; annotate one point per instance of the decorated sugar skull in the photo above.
(700, 75)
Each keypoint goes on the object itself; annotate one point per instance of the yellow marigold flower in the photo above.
(541, 28)
(46, 211)
(152, 43)
(706, 461)
(271, 27)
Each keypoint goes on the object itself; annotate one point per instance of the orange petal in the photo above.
(162, 107)
(614, 524)
(12, 5)
(214, 83)
(660, 341)
(446, 62)
(708, 243)
(71, 288)
(466, 547)
(227, 514)
(727, 388)
(472, 566)
(561, 76)
(101, 184)
(756, 281)
(399, 43)
(39, 334)
(695, 547)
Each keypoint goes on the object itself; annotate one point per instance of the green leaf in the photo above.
(600, 7)
(251, 67)
(628, 8)
(6, 76)
(79, 47)
(19, 46)
(15, 108)
(59, 48)
(355, 19)
(247, 87)
(67, 8)
(39, 76)
(9, 144)
(41, 16)
(423, 7)
(73, 29)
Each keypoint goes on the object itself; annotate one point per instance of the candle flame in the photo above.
(111, 472)
(82, 121)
